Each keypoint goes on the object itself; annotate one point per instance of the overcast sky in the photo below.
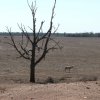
(72, 15)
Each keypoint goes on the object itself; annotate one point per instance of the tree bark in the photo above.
(32, 72)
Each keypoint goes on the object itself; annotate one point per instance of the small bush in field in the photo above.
(89, 78)
(49, 80)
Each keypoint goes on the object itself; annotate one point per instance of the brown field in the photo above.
(82, 53)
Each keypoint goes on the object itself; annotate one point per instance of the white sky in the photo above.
(72, 15)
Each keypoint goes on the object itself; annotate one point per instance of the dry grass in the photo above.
(83, 53)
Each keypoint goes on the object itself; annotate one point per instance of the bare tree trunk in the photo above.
(33, 65)
(32, 72)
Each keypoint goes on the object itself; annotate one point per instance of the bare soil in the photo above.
(82, 83)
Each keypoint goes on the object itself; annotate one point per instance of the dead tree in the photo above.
(40, 42)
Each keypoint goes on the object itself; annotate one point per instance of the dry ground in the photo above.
(61, 91)
(83, 53)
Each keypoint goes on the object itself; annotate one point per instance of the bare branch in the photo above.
(47, 37)
(56, 29)
(41, 26)
(30, 28)
(9, 43)
(25, 33)
(37, 37)
(52, 16)
(56, 43)
(48, 34)
(29, 5)
(14, 44)
(24, 50)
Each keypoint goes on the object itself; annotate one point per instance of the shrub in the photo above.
(49, 80)
(89, 78)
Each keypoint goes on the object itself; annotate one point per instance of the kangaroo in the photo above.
(68, 68)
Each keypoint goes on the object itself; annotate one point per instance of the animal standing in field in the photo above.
(68, 68)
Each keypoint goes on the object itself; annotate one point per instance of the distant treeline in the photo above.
(85, 34)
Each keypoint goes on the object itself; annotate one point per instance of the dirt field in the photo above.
(82, 53)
